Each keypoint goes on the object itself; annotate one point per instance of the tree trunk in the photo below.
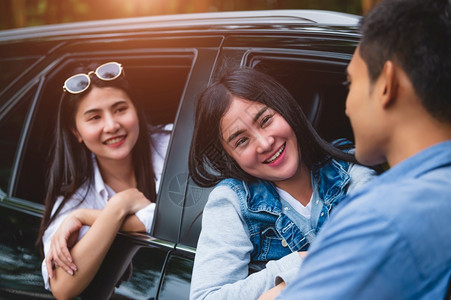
(19, 13)
(367, 5)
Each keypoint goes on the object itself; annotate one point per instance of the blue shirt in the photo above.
(390, 240)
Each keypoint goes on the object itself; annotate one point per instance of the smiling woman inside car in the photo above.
(103, 177)
(276, 182)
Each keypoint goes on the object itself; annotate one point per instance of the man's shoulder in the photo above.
(413, 208)
(432, 187)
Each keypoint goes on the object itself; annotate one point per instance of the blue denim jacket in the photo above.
(273, 232)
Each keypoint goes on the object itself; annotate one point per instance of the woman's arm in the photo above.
(221, 266)
(280, 283)
(66, 236)
(90, 251)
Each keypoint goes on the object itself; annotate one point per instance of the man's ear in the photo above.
(77, 135)
(390, 83)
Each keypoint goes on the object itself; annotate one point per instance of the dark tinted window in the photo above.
(318, 88)
(11, 122)
(13, 68)
(158, 81)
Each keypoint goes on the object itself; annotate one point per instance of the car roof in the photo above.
(212, 21)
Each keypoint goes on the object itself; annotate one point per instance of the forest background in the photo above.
(23, 13)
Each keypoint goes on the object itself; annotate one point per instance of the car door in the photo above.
(19, 218)
(167, 73)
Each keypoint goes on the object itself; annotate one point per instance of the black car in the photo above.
(168, 60)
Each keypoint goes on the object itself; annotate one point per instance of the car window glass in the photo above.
(13, 68)
(317, 87)
(11, 123)
(158, 83)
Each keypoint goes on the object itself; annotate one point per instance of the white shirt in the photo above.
(355, 171)
(301, 209)
(97, 195)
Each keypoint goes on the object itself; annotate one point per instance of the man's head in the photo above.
(405, 52)
(416, 34)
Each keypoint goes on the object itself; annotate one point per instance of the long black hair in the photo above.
(72, 164)
(209, 162)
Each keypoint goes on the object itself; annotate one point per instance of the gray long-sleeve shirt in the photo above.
(221, 266)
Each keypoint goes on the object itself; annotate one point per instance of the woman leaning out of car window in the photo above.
(276, 183)
(101, 179)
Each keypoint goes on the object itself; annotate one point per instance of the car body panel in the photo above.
(171, 59)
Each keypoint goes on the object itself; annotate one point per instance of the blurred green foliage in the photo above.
(22, 13)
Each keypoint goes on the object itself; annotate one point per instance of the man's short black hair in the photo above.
(415, 34)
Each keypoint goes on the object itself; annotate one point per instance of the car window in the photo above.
(317, 87)
(12, 120)
(158, 81)
(12, 68)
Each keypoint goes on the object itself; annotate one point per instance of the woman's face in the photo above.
(107, 123)
(260, 141)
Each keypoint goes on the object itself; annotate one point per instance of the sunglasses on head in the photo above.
(80, 82)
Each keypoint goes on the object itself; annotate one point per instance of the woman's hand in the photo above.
(130, 201)
(90, 251)
(64, 238)
(275, 291)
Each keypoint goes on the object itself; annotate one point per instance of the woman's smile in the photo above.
(275, 159)
(260, 140)
(115, 141)
(107, 123)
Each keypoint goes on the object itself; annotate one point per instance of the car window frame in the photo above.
(144, 240)
(246, 57)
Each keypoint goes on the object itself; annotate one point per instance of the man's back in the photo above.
(394, 234)
(392, 239)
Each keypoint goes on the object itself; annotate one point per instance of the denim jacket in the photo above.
(245, 227)
(274, 232)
